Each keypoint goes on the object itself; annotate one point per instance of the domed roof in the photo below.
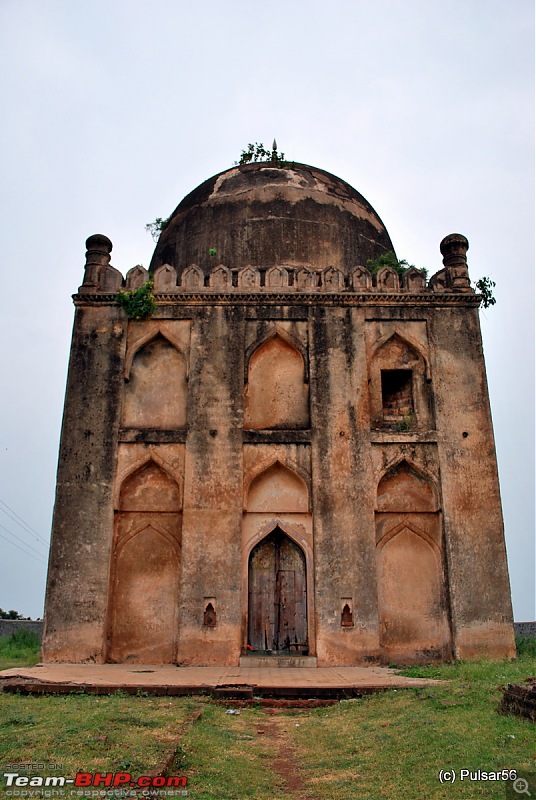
(260, 215)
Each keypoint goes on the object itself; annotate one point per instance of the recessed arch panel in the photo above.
(156, 392)
(397, 349)
(413, 620)
(412, 594)
(145, 570)
(276, 395)
(403, 488)
(144, 609)
(149, 488)
(277, 489)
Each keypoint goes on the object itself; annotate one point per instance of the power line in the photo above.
(20, 548)
(20, 540)
(19, 520)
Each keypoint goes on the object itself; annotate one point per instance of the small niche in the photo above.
(209, 615)
(397, 396)
(347, 618)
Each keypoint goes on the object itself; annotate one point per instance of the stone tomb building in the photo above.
(291, 455)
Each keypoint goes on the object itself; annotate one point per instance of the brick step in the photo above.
(275, 662)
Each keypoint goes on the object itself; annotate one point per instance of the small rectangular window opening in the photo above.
(397, 396)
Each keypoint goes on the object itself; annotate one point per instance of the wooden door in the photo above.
(277, 612)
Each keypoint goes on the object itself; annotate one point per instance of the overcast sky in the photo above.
(113, 111)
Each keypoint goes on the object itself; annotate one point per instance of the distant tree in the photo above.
(12, 614)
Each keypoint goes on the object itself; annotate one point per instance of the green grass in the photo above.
(526, 646)
(388, 745)
(393, 745)
(85, 733)
(227, 758)
(21, 649)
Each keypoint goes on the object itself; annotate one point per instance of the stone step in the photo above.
(275, 662)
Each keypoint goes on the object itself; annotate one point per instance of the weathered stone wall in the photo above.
(476, 556)
(9, 626)
(342, 488)
(213, 490)
(525, 629)
(79, 562)
(305, 437)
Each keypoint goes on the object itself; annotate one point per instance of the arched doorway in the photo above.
(277, 596)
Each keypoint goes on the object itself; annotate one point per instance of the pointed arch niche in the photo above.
(276, 392)
(156, 390)
(277, 567)
(278, 489)
(144, 580)
(412, 590)
(400, 386)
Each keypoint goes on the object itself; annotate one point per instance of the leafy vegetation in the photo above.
(406, 423)
(155, 228)
(387, 260)
(21, 649)
(139, 303)
(484, 286)
(12, 614)
(390, 260)
(258, 152)
(526, 646)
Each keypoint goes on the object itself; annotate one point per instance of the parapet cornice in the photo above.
(207, 298)
(277, 284)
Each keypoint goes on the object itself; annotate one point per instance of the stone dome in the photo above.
(260, 215)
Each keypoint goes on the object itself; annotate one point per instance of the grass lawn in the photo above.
(21, 649)
(389, 745)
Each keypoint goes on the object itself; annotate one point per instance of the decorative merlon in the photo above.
(101, 278)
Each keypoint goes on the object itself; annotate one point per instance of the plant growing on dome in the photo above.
(258, 152)
(139, 304)
(155, 228)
